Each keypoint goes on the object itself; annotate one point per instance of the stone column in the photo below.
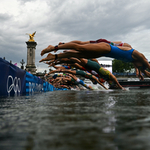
(30, 67)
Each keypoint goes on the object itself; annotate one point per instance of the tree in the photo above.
(120, 66)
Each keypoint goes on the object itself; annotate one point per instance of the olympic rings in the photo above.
(13, 84)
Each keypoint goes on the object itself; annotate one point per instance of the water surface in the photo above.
(76, 120)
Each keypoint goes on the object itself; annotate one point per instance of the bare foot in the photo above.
(49, 57)
(50, 48)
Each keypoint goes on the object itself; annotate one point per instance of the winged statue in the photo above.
(31, 36)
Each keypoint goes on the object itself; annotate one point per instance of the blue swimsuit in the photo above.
(119, 54)
(66, 67)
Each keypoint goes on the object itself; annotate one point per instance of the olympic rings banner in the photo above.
(15, 81)
(12, 79)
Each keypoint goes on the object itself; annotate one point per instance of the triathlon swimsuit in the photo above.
(100, 40)
(91, 71)
(106, 41)
(92, 65)
(119, 54)
(78, 81)
(95, 74)
(56, 75)
(84, 74)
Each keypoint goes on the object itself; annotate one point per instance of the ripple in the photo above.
(112, 120)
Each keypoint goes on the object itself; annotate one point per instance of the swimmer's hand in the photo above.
(49, 57)
(50, 48)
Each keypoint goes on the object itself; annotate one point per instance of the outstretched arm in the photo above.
(146, 73)
(76, 60)
(137, 70)
(116, 81)
(94, 59)
(96, 49)
(99, 82)
(68, 71)
(62, 55)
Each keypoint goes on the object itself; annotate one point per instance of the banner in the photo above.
(15, 81)
(33, 84)
(12, 79)
(48, 87)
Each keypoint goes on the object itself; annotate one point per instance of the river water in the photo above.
(76, 120)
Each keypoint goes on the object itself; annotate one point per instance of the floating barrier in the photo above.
(15, 81)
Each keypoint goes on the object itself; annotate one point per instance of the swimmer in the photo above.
(102, 49)
(81, 73)
(76, 80)
(104, 73)
(115, 43)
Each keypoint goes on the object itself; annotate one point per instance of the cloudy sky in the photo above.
(65, 20)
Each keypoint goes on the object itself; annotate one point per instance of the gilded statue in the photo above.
(31, 37)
